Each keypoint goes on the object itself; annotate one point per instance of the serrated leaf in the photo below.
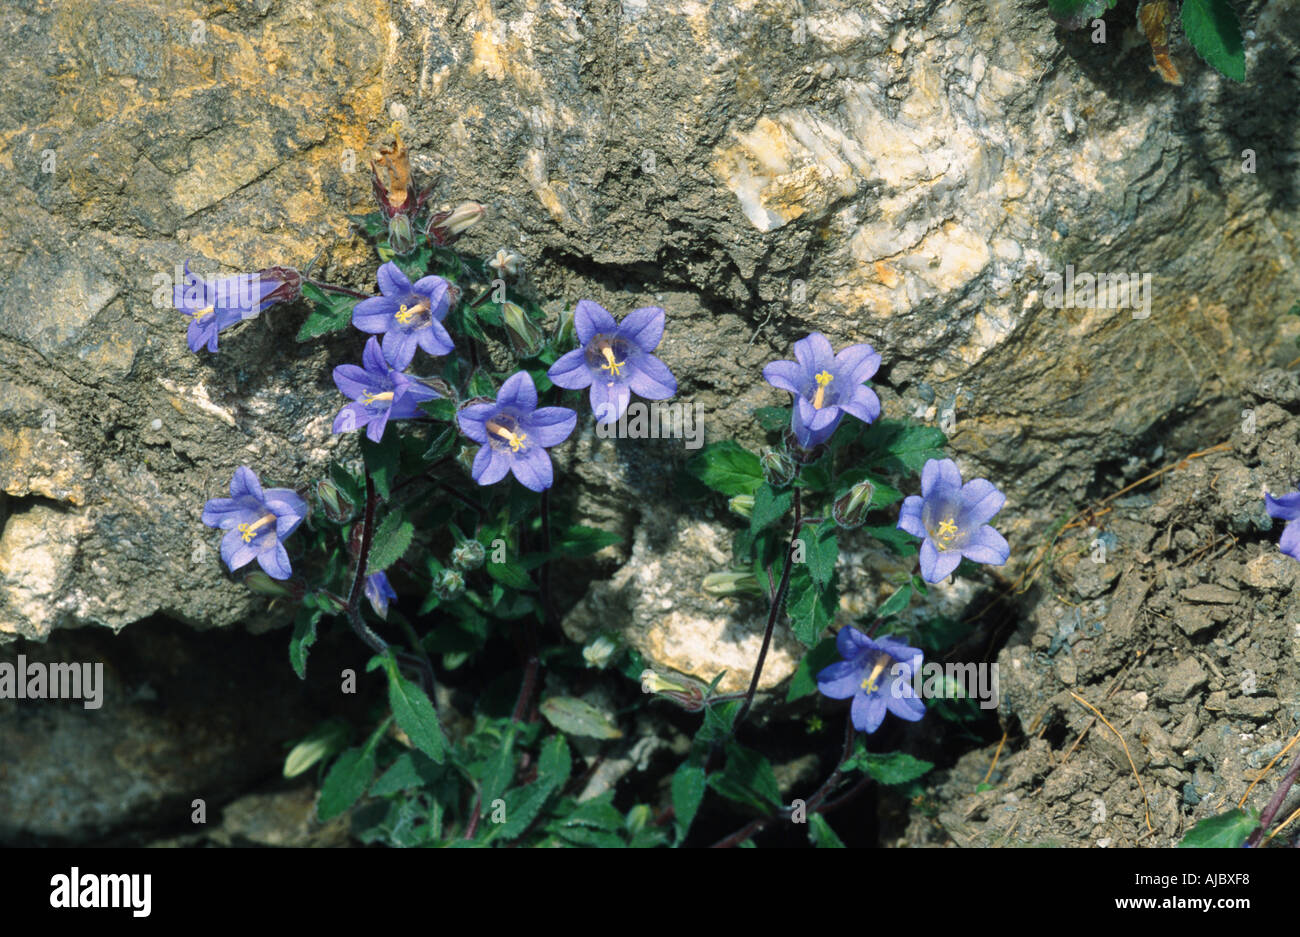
(769, 507)
(902, 447)
(727, 467)
(330, 312)
(804, 681)
(304, 636)
(392, 538)
(820, 833)
(1215, 33)
(510, 573)
(410, 770)
(899, 542)
(523, 804)
(381, 460)
(584, 541)
(499, 773)
(688, 792)
(897, 602)
(415, 715)
(578, 717)
(1225, 831)
(773, 419)
(821, 549)
(811, 608)
(747, 779)
(554, 764)
(888, 768)
(346, 781)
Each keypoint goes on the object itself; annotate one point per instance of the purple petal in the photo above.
(909, 518)
(982, 501)
(814, 353)
(644, 327)
(840, 680)
(571, 371)
(609, 401)
(937, 565)
(223, 512)
(473, 419)
(862, 403)
(851, 642)
(867, 712)
(533, 468)
(784, 375)
(393, 282)
(518, 393)
(941, 473)
(244, 483)
(353, 381)
(490, 465)
(374, 314)
(434, 339)
(375, 428)
(551, 426)
(399, 348)
(986, 545)
(276, 562)
(234, 552)
(591, 319)
(650, 378)
(437, 289)
(856, 363)
(1286, 507)
(1289, 542)
(373, 358)
(353, 416)
(906, 706)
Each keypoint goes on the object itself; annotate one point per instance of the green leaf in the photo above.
(509, 573)
(1076, 13)
(820, 551)
(523, 804)
(1215, 33)
(578, 717)
(554, 765)
(889, 768)
(821, 834)
(1225, 831)
(718, 719)
(897, 602)
(811, 607)
(688, 792)
(500, 771)
(727, 467)
(392, 539)
(769, 507)
(900, 542)
(330, 312)
(409, 771)
(304, 636)
(773, 419)
(584, 541)
(902, 447)
(804, 681)
(346, 781)
(381, 462)
(415, 714)
(747, 779)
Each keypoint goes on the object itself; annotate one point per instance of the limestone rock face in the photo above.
(906, 173)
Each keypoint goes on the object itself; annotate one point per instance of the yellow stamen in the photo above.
(869, 684)
(407, 314)
(248, 531)
(203, 313)
(946, 533)
(368, 398)
(615, 368)
(516, 440)
(819, 399)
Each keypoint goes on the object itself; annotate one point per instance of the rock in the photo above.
(1259, 708)
(1184, 680)
(1208, 592)
(1271, 570)
(1192, 621)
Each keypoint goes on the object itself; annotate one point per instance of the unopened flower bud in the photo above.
(731, 583)
(850, 510)
(565, 331)
(526, 336)
(778, 467)
(684, 691)
(446, 226)
(600, 651)
(450, 584)
(742, 505)
(468, 554)
(401, 237)
(338, 507)
(287, 285)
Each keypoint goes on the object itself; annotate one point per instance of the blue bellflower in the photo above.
(407, 315)
(380, 592)
(214, 305)
(379, 392)
(615, 359)
(952, 520)
(826, 386)
(877, 675)
(1286, 508)
(515, 434)
(256, 522)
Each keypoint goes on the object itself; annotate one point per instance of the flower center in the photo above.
(418, 314)
(515, 439)
(870, 683)
(823, 379)
(370, 399)
(203, 313)
(615, 368)
(946, 533)
(249, 531)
